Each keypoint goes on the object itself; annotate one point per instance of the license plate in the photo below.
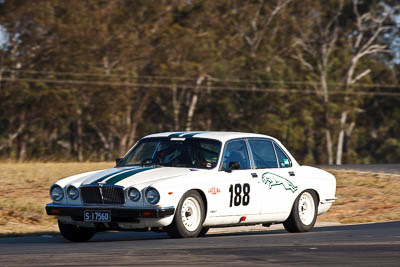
(97, 216)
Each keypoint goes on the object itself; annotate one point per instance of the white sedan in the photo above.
(187, 182)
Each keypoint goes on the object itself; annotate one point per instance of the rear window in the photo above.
(263, 154)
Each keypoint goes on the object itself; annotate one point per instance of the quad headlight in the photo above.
(133, 194)
(72, 192)
(56, 193)
(152, 196)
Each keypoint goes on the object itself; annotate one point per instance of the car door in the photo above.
(239, 192)
(274, 169)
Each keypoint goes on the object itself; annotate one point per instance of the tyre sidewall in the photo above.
(178, 226)
(74, 233)
(299, 224)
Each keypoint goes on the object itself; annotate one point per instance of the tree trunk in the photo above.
(340, 142)
(134, 117)
(329, 146)
(138, 117)
(192, 107)
(176, 107)
(339, 148)
(79, 136)
(72, 137)
(208, 105)
(22, 140)
(108, 143)
(11, 136)
(124, 136)
(193, 103)
(325, 98)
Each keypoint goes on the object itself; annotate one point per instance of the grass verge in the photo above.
(24, 192)
(364, 197)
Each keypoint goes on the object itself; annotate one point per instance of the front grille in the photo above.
(104, 194)
(113, 195)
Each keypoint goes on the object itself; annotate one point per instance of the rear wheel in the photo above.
(75, 233)
(189, 216)
(304, 213)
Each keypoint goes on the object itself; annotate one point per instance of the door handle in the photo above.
(291, 174)
(254, 175)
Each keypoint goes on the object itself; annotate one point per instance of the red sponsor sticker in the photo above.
(214, 190)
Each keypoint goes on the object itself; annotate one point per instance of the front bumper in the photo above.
(118, 214)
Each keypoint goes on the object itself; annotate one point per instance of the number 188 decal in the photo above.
(238, 199)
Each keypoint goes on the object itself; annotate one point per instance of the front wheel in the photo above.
(75, 233)
(304, 213)
(203, 231)
(189, 216)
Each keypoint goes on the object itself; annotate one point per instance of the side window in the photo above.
(263, 154)
(283, 160)
(236, 151)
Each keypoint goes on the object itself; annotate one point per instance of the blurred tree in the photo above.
(84, 79)
(323, 44)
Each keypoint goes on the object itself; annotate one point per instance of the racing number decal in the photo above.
(246, 196)
(238, 199)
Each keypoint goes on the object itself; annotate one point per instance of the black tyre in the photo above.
(75, 233)
(189, 216)
(304, 213)
(203, 231)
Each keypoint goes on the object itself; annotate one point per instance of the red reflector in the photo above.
(147, 213)
(55, 211)
(170, 193)
(243, 218)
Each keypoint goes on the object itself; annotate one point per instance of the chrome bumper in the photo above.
(118, 214)
(329, 200)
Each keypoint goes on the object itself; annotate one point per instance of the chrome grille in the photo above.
(104, 194)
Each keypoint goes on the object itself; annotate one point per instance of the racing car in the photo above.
(185, 183)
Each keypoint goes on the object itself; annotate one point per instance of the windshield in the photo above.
(174, 152)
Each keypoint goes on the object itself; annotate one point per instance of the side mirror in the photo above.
(117, 160)
(233, 165)
(147, 162)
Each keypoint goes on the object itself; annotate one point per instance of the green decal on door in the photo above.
(271, 180)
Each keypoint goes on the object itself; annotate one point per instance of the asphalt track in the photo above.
(375, 244)
(376, 168)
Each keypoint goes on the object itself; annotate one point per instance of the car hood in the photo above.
(128, 176)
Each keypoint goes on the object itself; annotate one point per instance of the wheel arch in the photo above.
(316, 193)
(301, 192)
(204, 198)
(202, 195)
(304, 190)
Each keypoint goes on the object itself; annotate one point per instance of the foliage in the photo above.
(83, 80)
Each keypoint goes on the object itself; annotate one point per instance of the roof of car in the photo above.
(222, 136)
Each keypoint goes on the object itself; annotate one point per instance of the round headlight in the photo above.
(133, 194)
(152, 196)
(72, 192)
(56, 193)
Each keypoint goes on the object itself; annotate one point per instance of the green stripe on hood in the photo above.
(124, 175)
(109, 175)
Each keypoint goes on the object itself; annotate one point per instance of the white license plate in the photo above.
(97, 216)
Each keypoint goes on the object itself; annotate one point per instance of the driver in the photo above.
(167, 153)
